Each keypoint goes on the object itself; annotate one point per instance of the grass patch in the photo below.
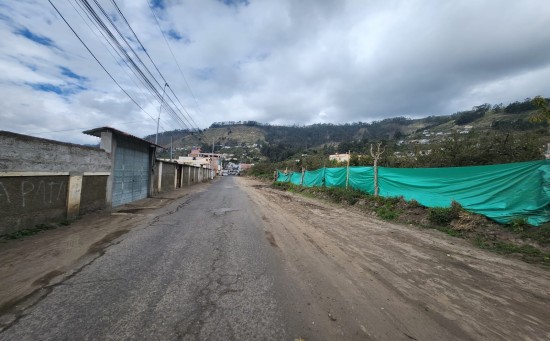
(28, 232)
(264, 176)
(519, 224)
(540, 234)
(414, 204)
(444, 215)
(281, 185)
(387, 212)
(450, 231)
(528, 253)
(454, 221)
(440, 215)
(34, 230)
(350, 196)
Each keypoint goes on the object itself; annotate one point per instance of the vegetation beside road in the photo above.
(34, 230)
(519, 239)
(485, 134)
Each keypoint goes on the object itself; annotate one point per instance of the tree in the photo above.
(354, 159)
(376, 155)
(543, 112)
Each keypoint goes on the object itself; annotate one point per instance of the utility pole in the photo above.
(171, 146)
(160, 109)
(212, 157)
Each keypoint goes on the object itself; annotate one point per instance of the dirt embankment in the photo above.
(370, 279)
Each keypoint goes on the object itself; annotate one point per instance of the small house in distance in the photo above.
(339, 157)
(197, 158)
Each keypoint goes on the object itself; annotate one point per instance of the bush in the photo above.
(468, 117)
(413, 204)
(351, 196)
(262, 170)
(519, 224)
(444, 215)
(440, 215)
(387, 212)
(281, 185)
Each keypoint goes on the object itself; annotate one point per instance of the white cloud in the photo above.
(275, 61)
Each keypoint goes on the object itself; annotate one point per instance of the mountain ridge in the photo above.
(257, 141)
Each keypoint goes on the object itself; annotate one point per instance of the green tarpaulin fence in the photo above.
(500, 192)
(315, 178)
(335, 177)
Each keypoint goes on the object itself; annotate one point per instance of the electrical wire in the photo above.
(109, 50)
(173, 56)
(144, 76)
(133, 64)
(154, 64)
(97, 60)
(170, 109)
(127, 54)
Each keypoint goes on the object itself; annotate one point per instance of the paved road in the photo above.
(202, 269)
(243, 261)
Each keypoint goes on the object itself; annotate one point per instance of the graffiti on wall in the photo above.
(26, 192)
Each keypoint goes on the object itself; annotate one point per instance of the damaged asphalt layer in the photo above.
(199, 270)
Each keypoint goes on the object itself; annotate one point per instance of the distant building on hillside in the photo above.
(206, 160)
(245, 166)
(195, 151)
(339, 157)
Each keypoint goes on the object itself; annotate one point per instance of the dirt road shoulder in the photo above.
(378, 280)
(31, 266)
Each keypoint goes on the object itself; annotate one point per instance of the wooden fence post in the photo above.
(376, 157)
(347, 170)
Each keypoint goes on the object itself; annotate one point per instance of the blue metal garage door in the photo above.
(131, 172)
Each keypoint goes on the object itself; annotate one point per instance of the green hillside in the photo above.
(499, 129)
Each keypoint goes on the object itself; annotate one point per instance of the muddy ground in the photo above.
(353, 275)
(31, 263)
(386, 277)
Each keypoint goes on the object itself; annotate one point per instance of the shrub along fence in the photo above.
(500, 192)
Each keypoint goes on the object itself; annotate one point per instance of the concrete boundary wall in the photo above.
(45, 181)
(22, 153)
(170, 175)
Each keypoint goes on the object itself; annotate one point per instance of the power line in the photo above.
(97, 60)
(137, 38)
(142, 75)
(127, 55)
(154, 64)
(139, 41)
(173, 56)
(112, 47)
(116, 51)
(133, 65)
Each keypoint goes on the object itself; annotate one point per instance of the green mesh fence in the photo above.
(296, 178)
(500, 192)
(362, 178)
(335, 177)
(314, 178)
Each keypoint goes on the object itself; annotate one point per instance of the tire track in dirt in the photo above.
(392, 281)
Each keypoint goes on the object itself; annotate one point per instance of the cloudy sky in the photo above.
(274, 61)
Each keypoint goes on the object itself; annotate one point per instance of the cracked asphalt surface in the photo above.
(201, 270)
(240, 260)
